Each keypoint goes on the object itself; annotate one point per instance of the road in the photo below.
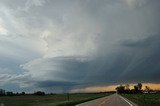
(112, 100)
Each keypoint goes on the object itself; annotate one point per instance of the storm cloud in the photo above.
(69, 44)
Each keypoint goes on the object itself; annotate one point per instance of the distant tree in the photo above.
(139, 86)
(132, 91)
(2, 92)
(52, 94)
(17, 93)
(39, 93)
(23, 93)
(127, 87)
(120, 89)
(147, 88)
(127, 90)
(9, 93)
(135, 89)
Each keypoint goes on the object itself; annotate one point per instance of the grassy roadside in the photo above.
(144, 99)
(76, 101)
(49, 100)
(73, 103)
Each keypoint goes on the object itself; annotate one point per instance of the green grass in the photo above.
(48, 100)
(144, 99)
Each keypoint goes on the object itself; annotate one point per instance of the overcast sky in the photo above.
(61, 45)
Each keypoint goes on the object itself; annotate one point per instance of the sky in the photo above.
(66, 45)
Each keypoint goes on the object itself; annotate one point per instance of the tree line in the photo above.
(137, 89)
(9, 93)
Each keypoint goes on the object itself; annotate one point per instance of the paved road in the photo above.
(112, 100)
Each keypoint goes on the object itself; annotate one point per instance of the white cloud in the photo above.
(3, 31)
(23, 80)
(31, 3)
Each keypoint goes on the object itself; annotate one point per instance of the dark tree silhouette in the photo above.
(9, 93)
(147, 88)
(125, 89)
(136, 89)
(39, 93)
(120, 89)
(23, 93)
(139, 86)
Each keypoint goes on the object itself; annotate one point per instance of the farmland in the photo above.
(144, 99)
(49, 100)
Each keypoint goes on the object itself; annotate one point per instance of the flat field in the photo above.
(144, 99)
(48, 100)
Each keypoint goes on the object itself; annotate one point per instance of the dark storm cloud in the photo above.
(79, 43)
(137, 61)
(55, 84)
(146, 66)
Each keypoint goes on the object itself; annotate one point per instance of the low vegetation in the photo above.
(49, 100)
(144, 99)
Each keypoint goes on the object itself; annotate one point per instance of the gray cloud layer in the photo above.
(67, 44)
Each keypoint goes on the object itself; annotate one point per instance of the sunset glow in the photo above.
(112, 88)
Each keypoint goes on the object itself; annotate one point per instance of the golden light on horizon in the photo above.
(112, 87)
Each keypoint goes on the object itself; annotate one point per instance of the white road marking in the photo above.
(126, 100)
